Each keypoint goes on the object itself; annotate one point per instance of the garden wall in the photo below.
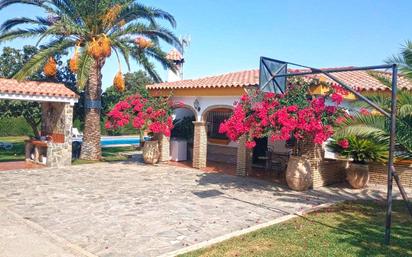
(329, 172)
(378, 174)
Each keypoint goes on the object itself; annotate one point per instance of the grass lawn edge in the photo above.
(240, 232)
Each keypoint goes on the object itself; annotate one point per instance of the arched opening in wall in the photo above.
(221, 151)
(181, 142)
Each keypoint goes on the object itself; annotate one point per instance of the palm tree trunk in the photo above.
(91, 149)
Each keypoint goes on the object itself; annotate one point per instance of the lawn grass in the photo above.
(16, 153)
(346, 229)
(110, 154)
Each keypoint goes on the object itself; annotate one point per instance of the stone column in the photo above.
(199, 145)
(244, 159)
(164, 148)
(59, 153)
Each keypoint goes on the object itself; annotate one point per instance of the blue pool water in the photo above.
(120, 141)
(116, 141)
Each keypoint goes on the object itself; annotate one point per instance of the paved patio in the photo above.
(140, 210)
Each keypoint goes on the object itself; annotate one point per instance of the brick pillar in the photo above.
(164, 148)
(244, 164)
(199, 145)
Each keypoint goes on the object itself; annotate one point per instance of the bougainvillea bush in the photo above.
(152, 114)
(295, 114)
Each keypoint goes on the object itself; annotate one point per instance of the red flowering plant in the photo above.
(294, 115)
(152, 114)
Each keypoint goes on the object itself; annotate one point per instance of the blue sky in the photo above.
(231, 35)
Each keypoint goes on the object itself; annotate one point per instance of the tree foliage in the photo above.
(78, 24)
(135, 83)
(11, 61)
(377, 126)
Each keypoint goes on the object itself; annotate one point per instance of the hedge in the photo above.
(14, 127)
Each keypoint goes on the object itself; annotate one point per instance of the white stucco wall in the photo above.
(206, 102)
(180, 113)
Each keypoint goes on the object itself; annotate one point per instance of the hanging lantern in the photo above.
(50, 69)
(143, 43)
(118, 82)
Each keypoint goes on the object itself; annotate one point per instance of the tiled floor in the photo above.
(114, 209)
(230, 169)
(18, 165)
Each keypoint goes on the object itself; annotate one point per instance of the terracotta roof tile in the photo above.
(234, 79)
(360, 80)
(12, 86)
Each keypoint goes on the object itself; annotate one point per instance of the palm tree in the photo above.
(93, 28)
(376, 126)
(404, 60)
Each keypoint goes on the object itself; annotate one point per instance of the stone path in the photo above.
(140, 210)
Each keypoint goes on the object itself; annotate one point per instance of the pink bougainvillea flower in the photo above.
(344, 143)
(364, 111)
(337, 98)
(250, 144)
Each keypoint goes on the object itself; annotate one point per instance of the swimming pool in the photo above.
(118, 141)
(114, 141)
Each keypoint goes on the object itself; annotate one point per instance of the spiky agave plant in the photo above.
(93, 29)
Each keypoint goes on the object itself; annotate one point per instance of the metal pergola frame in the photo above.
(392, 174)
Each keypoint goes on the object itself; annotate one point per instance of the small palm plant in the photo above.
(92, 30)
(360, 151)
(376, 126)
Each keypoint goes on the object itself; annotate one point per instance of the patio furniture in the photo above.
(76, 133)
(276, 161)
(36, 151)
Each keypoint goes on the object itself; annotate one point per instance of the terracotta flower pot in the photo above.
(298, 173)
(357, 175)
(151, 152)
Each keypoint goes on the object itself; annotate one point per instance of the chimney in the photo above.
(177, 58)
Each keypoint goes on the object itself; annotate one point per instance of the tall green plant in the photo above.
(377, 127)
(360, 150)
(93, 29)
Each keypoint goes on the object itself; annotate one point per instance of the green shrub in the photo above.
(14, 127)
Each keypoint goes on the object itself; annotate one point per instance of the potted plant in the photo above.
(296, 114)
(359, 151)
(151, 114)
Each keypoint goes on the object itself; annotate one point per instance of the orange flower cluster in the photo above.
(111, 15)
(100, 48)
(50, 69)
(118, 82)
(73, 65)
(143, 42)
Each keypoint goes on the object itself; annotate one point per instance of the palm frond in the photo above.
(147, 65)
(10, 23)
(85, 63)
(6, 3)
(36, 62)
(21, 33)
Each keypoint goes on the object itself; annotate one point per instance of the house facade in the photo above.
(210, 100)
